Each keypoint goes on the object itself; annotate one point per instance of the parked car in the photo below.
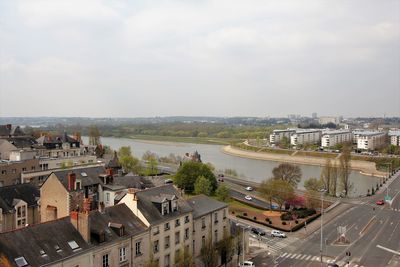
(247, 264)
(332, 264)
(169, 181)
(380, 202)
(276, 233)
(249, 188)
(257, 231)
(248, 198)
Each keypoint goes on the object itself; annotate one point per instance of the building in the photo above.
(277, 135)
(331, 138)
(11, 171)
(65, 191)
(169, 218)
(371, 140)
(329, 119)
(59, 141)
(210, 220)
(18, 206)
(305, 137)
(394, 136)
(111, 237)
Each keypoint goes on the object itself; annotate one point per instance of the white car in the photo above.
(249, 188)
(276, 233)
(248, 197)
(247, 264)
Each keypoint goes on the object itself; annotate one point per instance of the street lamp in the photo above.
(322, 218)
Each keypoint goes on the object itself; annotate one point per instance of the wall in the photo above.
(53, 193)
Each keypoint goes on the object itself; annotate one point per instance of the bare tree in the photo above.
(326, 175)
(208, 253)
(344, 170)
(288, 172)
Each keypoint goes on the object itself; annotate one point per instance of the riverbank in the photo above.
(177, 139)
(364, 167)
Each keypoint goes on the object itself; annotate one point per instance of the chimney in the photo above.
(81, 222)
(109, 172)
(87, 205)
(71, 181)
(8, 126)
(102, 207)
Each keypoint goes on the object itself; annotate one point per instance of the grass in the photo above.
(236, 205)
(194, 140)
(316, 154)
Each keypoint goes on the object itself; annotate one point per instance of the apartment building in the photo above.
(394, 136)
(210, 220)
(169, 218)
(18, 206)
(277, 135)
(111, 237)
(304, 137)
(329, 119)
(11, 171)
(371, 140)
(331, 138)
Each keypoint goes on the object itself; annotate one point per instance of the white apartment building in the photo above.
(302, 137)
(371, 140)
(326, 120)
(277, 135)
(331, 138)
(394, 137)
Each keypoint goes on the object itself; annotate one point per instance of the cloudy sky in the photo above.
(194, 57)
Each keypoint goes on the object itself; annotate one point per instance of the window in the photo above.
(186, 233)
(186, 219)
(4, 172)
(77, 185)
(122, 254)
(107, 197)
(105, 260)
(166, 261)
(216, 217)
(24, 169)
(138, 251)
(20, 261)
(164, 208)
(155, 247)
(177, 237)
(33, 168)
(166, 241)
(166, 226)
(156, 230)
(174, 205)
(14, 171)
(224, 214)
(215, 235)
(73, 245)
(177, 222)
(203, 223)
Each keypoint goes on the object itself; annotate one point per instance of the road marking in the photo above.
(294, 255)
(315, 258)
(304, 256)
(309, 256)
(298, 257)
(388, 249)
(284, 254)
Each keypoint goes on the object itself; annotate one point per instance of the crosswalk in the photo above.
(307, 257)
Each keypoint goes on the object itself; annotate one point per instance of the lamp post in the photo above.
(322, 218)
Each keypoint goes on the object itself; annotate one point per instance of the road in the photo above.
(368, 226)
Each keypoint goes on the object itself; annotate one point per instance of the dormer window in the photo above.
(78, 185)
(174, 205)
(165, 208)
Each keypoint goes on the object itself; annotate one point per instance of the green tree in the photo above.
(287, 172)
(326, 175)
(345, 169)
(226, 247)
(202, 186)
(208, 252)
(151, 262)
(128, 162)
(222, 193)
(184, 258)
(278, 191)
(313, 184)
(187, 174)
(94, 136)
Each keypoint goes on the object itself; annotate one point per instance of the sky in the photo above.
(199, 58)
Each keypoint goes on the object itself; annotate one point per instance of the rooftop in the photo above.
(203, 205)
(26, 192)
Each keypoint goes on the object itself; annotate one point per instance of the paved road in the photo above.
(368, 226)
(255, 201)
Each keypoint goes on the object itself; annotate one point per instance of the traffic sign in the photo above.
(388, 198)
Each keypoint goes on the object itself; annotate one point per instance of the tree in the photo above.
(326, 175)
(189, 172)
(208, 253)
(94, 136)
(151, 160)
(288, 172)
(238, 243)
(345, 169)
(312, 199)
(202, 186)
(313, 184)
(127, 161)
(285, 142)
(225, 247)
(278, 191)
(151, 262)
(222, 193)
(184, 258)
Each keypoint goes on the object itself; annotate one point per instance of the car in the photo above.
(220, 179)
(249, 188)
(332, 264)
(380, 202)
(276, 233)
(248, 198)
(247, 264)
(257, 231)
(221, 175)
(169, 181)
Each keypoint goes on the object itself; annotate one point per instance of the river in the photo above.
(250, 169)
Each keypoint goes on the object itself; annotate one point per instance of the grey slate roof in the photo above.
(28, 242)
(92, 177)
(119, 214)
(22, 142)
(64, 138)
(131, 181)
(203, 205)
(149, 210)
(27, 192)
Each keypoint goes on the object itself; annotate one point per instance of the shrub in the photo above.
(286, 216)
(296, 221)
(270, 222)
(233, 212)
(284, 223)
(255, 218)
(244, 213)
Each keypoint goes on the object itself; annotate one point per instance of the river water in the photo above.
(250, 169)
